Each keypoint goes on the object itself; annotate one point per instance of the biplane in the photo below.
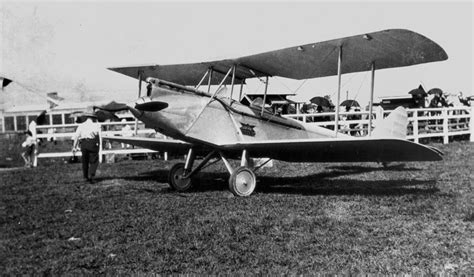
(184, 102)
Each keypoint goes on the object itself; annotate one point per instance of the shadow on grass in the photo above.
(338, 171)
(159, 175)
(322, 183)
(313, 185)
(388, 167)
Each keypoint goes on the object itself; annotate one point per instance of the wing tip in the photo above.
(431, 153)
(441, 53)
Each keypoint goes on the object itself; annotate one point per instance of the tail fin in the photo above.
(393, 126)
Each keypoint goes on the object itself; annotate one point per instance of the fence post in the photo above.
(444, 113)
(471, 124)
(100, 144)
(36, 151)
(379, 111)
(415, 126)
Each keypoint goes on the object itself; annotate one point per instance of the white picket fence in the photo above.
(423, 123)
(65, 132)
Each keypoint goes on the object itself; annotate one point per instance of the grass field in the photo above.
(303, 218)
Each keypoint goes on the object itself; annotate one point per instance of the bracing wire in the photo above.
(282, 83)
(304, 81)
(363, 81)
(348, 81)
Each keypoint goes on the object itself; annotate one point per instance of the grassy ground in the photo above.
(303, 218)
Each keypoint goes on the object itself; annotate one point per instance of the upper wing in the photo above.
(387, 49)
(339, 150)
(187, 74)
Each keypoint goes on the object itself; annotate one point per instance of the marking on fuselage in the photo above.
(247, 129)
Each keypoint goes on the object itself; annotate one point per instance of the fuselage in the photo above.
(218, 121)
(209, 124)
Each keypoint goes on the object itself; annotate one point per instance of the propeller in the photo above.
(140, 76)
(151, 106)
(143, 104)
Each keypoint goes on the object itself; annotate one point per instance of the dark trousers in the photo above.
(90, 157)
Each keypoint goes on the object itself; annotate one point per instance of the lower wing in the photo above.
(175, 146)
(340, 150)
(313, 150)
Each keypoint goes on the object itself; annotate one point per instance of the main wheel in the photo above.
(242, 181)
(176, 180)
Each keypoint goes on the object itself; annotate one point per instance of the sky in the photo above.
(66, 47)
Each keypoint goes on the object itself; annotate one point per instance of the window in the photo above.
(68, 119)
(31, 118)
(9, 123)
(57, 119)
(47, 119)
(21, 123)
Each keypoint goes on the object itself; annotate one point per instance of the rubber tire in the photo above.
(175, 181)
(242, 182)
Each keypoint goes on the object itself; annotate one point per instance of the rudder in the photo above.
(393, 126)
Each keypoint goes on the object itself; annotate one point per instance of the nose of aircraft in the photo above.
(136, 113)
(149, 105)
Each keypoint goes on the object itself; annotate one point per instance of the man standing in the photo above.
(88, 134)
(29, 146)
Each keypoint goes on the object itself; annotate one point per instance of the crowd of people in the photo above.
(435, 98)
(441, 99)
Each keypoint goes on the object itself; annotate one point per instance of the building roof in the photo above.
(63, 106)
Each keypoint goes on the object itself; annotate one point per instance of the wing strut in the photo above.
(264, 96)
(202, 79)
(241, 89)
(209, 80)
(232, 84)
(220, 85)
(339, 64)
(372, 81)
(140, 76)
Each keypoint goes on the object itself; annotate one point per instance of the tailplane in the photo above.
(393, 126)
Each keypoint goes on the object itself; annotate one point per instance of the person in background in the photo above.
(464, 100)
(28, 149)
(33, 131)
(88, 135)
(126, 132)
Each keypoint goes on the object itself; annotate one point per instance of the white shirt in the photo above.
(127, 131)
(32, 128)
(29, 141)
(87, 130)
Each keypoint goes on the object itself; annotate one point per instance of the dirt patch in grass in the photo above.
(303, 219)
